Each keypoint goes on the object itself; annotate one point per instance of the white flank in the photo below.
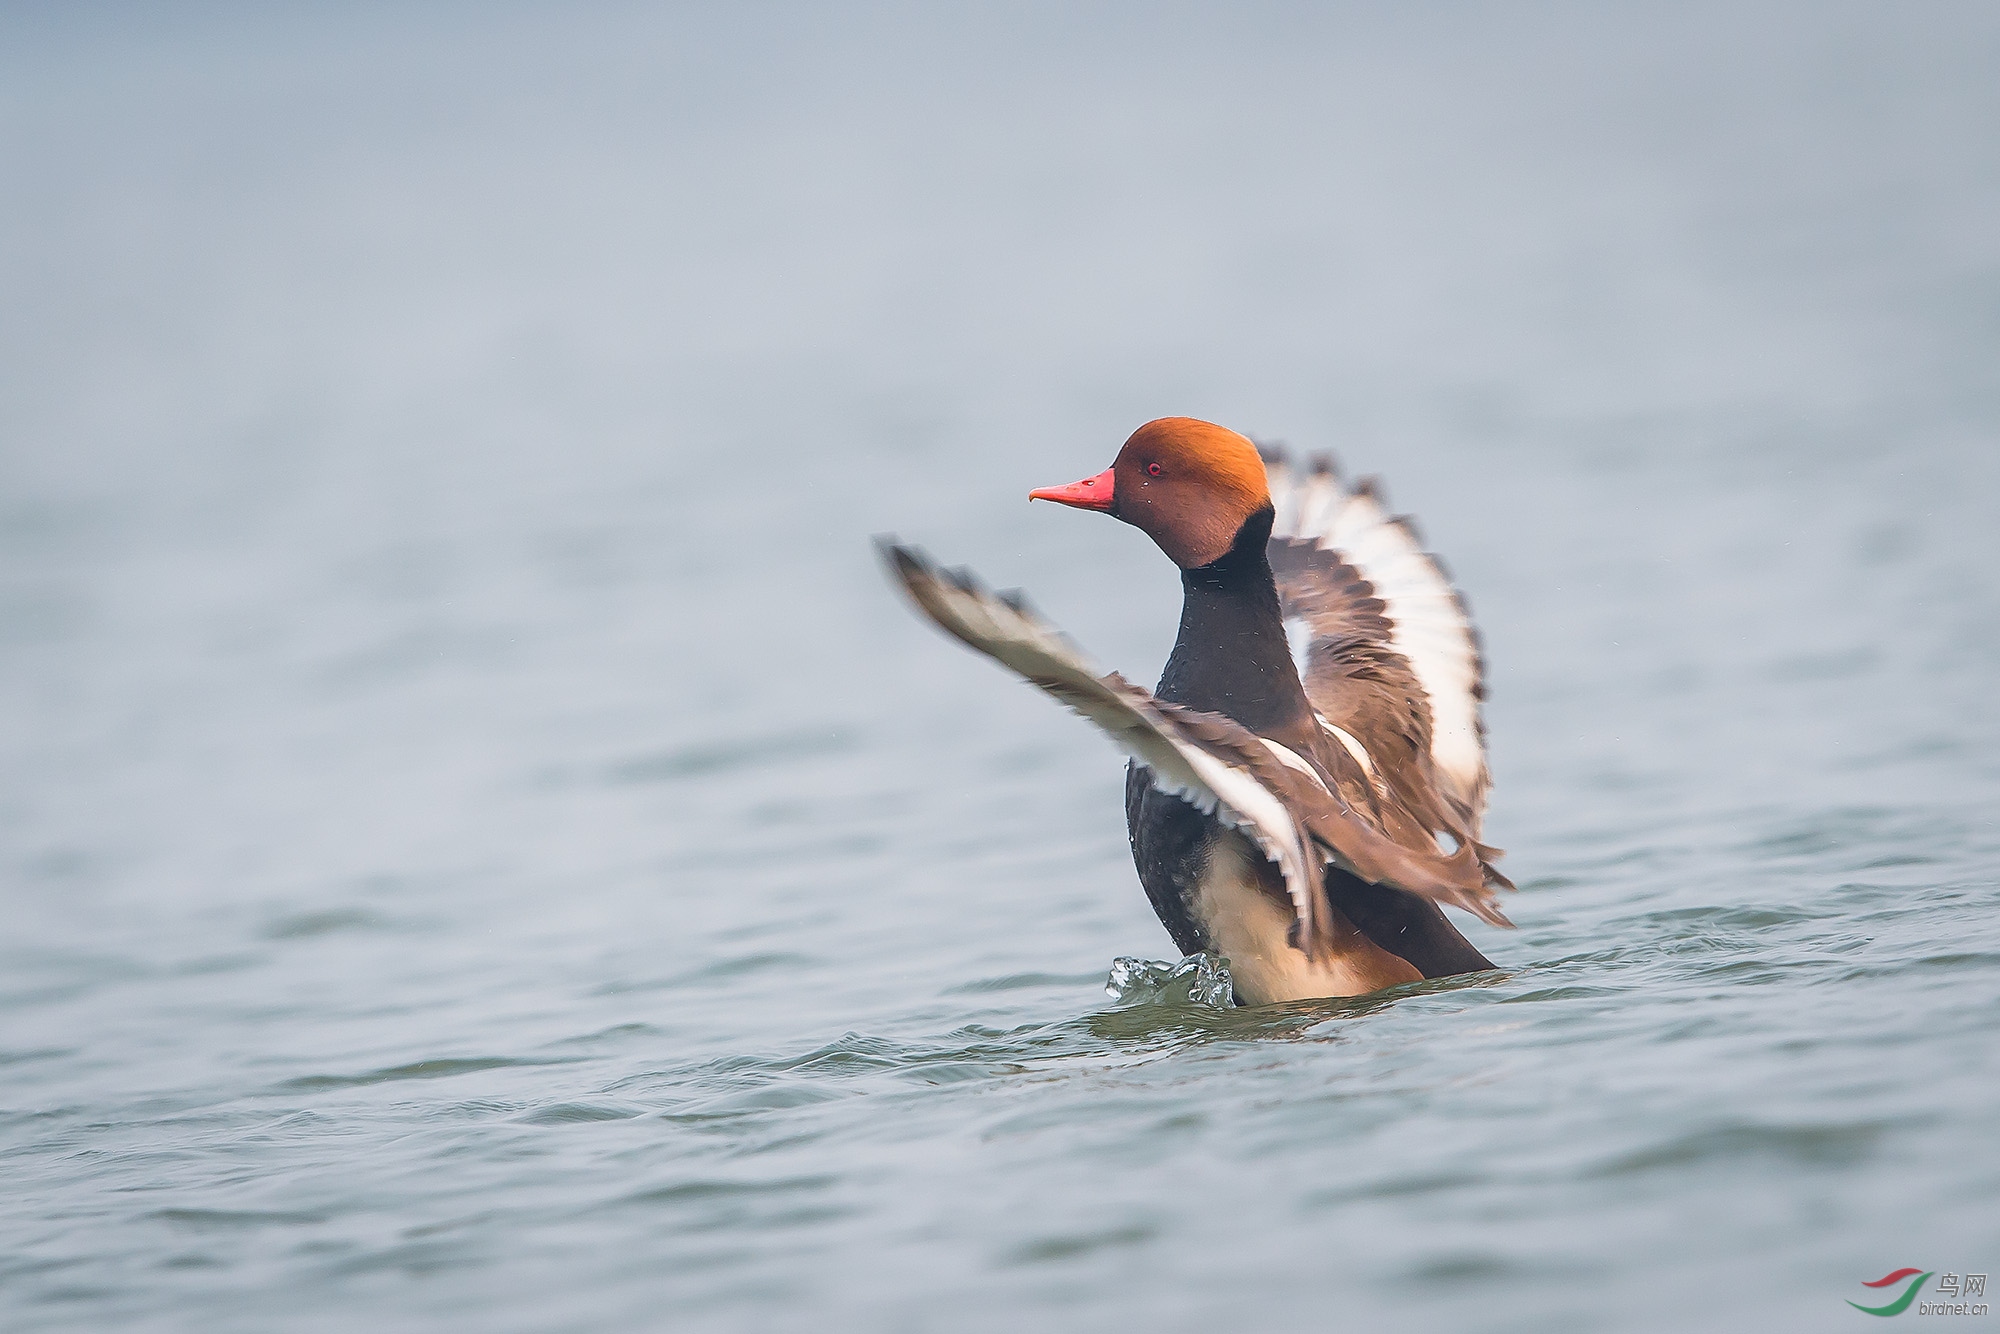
(1249, 928)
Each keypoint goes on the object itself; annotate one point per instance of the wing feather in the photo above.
(1203, 758)
(1428, 623)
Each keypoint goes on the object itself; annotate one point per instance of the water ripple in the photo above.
(443, 1068)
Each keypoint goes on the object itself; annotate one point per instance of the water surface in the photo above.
(484, 848)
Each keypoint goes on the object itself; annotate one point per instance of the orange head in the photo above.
(1189, 485)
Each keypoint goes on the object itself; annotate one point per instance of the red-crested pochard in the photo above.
(1307, 781)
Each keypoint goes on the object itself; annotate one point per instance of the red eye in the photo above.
(1154, 469)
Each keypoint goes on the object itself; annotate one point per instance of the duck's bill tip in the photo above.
(1092, 493)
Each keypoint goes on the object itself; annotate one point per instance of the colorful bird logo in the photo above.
(1902, 1303)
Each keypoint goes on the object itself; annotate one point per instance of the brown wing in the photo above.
(1366, 688)
(1428, 625)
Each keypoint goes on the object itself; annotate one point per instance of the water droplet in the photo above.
(1199, 979)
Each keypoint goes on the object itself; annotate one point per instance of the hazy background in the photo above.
(438, 447)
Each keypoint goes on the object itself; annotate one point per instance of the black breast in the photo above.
(1170, 843)
(1230, 657)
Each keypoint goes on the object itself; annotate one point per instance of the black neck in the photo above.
(1231, 656)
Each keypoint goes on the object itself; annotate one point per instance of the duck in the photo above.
(1307, 782)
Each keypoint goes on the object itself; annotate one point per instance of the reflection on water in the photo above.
(482, 846)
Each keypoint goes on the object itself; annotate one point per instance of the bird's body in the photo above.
(1211, 888)
(1308, 779)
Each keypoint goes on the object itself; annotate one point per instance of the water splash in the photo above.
(1200, 979)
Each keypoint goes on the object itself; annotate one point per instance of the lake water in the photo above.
(482, 847)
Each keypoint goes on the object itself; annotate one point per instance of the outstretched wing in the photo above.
(1362, 583)
(1203, 758)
